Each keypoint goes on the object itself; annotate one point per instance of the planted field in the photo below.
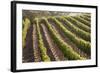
(55, 36)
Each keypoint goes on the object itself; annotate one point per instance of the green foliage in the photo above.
(84, 35)
(82, 20)
(76, 29)
(86, 18)
(64, 47)
(87, 15)
(43, 50)
(25, 25)
(83, 45)
(78, 24)
(86, 45)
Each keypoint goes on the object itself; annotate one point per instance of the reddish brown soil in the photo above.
(36, 51)
(58, 55)
(27, 50)
(49, 52)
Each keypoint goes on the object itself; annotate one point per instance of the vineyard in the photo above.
(56, 38)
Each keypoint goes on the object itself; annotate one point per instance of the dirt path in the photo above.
(28, 51)
(82, 54)
(58, 55)
(49, 52)
(36, 51)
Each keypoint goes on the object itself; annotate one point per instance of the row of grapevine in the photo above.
(84, 35)
(64, 47)
(86, 18)
(42, 48)
(87, 15)
(78, 24)
(82, 44)
(26, 24)
(82, 20)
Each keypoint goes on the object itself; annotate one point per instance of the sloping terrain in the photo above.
(56, 38)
